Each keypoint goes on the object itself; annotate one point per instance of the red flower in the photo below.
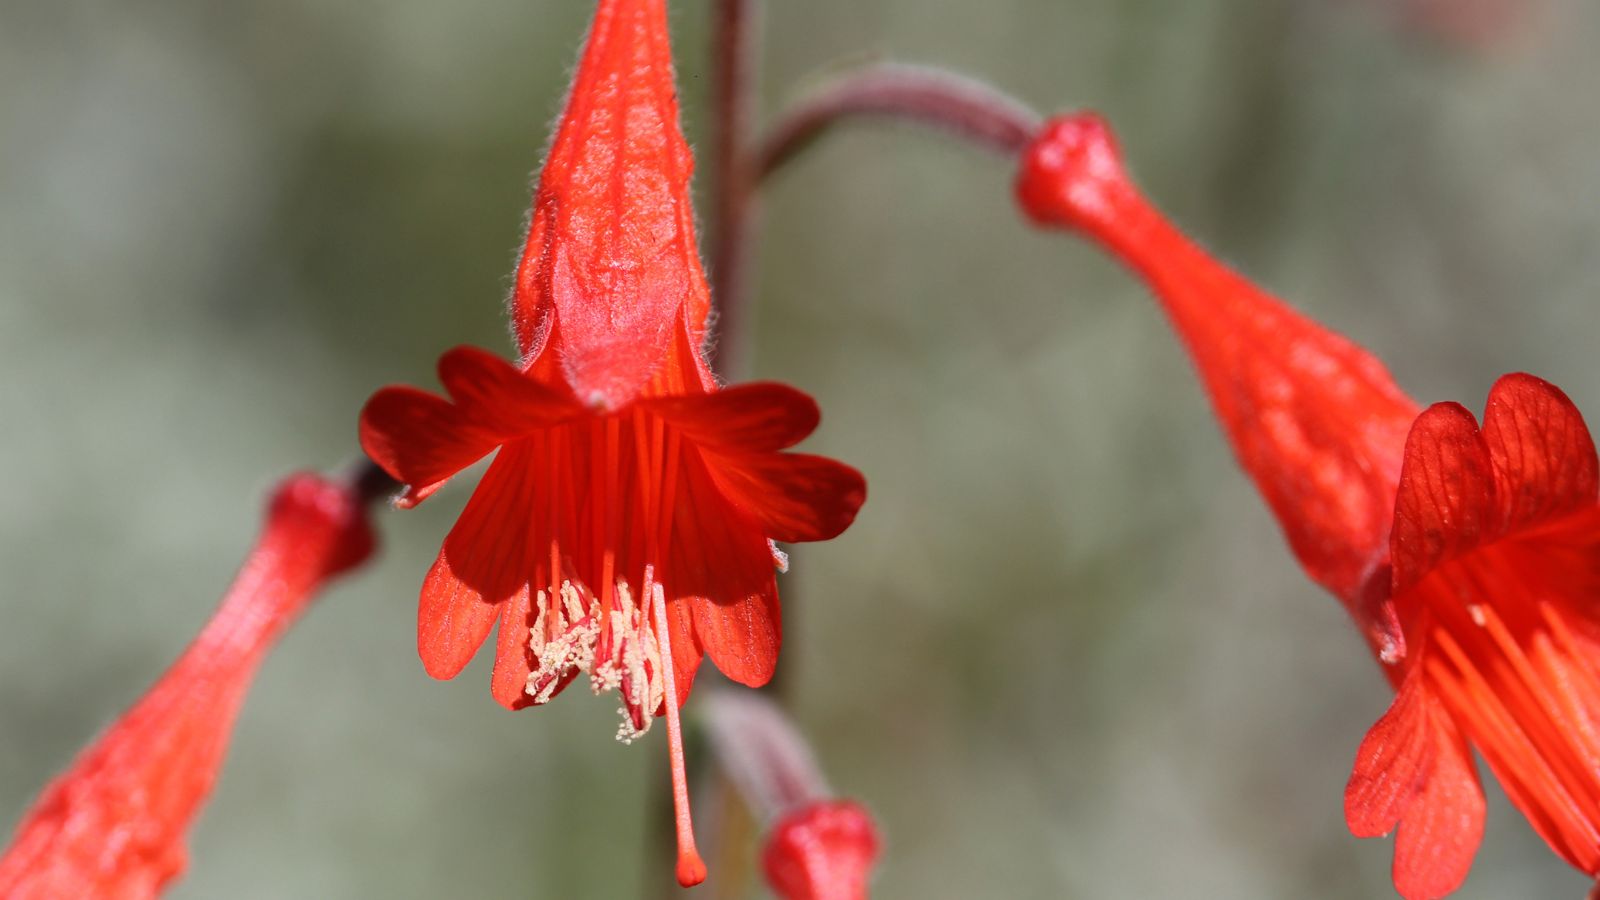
(623, 529)
(113, 825)
(1470, 558)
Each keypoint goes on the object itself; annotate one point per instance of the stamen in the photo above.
(691, 868)
(632, 665)
(1515, 754)
(559, 659)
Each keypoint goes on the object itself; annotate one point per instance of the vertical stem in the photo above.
(734, 49)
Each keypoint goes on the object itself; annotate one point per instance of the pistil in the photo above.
(691, 868)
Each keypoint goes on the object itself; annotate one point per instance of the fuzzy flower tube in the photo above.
(1466, 551)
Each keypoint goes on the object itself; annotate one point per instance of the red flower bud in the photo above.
(822, 851)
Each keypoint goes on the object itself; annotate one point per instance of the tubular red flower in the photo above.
(624, 528)
(1469, 558)
(113, 825)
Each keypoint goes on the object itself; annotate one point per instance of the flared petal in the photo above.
(687, 651)
(1440, 834)
(1414, 771)
(742, 638)
(720, 559)
(1544, 458)
(756, 417)
(482, 564)
(422, 439)
(491, 390)
(1392, 764)
(512, 659)
(793, 496)
(1446, 504)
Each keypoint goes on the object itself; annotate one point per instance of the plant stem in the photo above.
(962, 106)
(734, 50)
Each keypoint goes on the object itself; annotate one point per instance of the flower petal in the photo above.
(1392, 764)
(1441, 832)
(481, 565)
(739, 431)
(742, 638)
(423, 439)
(1544, 458)
(761, 416)
(793, 496)
(491, 390)
(1445, 504)
(686, 650)
(1414, 770)
(512, 662)
(722, 565)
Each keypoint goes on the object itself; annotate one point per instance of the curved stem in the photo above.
(963, 106)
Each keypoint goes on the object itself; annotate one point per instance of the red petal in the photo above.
(742, 638)
(1440, 834)
(762, 416)
(509, 684)
(686, 649)
(422, 439)
(1544, 459)
(491, 390)
(1445, 505)
(721, 564)
(481, 565)
(1392, 764)
(794, 496)
(1414, 770)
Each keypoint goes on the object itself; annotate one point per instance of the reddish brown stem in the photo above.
(734, 49)
(962, 106)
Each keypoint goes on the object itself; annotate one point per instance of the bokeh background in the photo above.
(1063, 652)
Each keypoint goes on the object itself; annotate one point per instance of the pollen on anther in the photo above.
(566, 639)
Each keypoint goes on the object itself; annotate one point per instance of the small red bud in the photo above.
(822, 851)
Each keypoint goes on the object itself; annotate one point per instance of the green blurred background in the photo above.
(1063, 652)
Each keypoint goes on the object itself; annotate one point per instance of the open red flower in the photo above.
(624, 528)
(113, 825)
(1469, 557)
